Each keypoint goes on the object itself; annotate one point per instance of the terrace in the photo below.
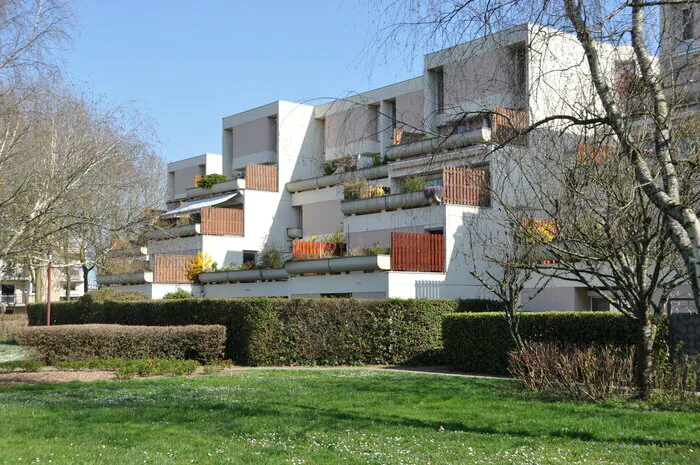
(200, 220)
(459, 186)
(500, 125)
(162, 269)
(408, 252)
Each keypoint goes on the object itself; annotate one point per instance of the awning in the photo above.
(196, 205)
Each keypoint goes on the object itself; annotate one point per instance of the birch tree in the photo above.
(657, 158)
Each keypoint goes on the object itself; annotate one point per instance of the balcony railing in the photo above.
(417, 252)
(390, 202)
(460, 186)
(8, 299)
(466, 186)
(222, 221)
(415, 148)
(14, 276)
(261, 177)
(141, 277)
(171, 269)
(303, 250)
(213, 221)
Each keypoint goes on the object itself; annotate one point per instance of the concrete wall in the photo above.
(255, 136)
(374, 283)
(364, 230)
(268, 289)
(184, 178)
(321, 218)
(409, 111)
(351, 132)
(176, 246)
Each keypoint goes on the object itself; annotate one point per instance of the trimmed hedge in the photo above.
(265, 331)
(480, 342)
(81, 342)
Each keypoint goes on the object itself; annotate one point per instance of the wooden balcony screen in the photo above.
(406, 137)
(261, 177)
(505, 122)
(222, 221)
(195, 179)
(417, 252)
(466, 186)
(302, 250)
(171, 268)
(589, 154)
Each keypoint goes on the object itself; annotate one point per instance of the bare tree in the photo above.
(595, 27)
(29, 32)
(498, 251)
(604, 232)
(79, 175)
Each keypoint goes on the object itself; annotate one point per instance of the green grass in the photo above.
(326, 417)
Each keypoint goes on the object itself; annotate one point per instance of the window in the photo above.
(439, 86)
(250, 256)
(464, 125)
(375, 123)
(598, 304)
(392, 114)
(688, 24)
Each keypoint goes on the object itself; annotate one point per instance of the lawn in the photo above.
(330, 416)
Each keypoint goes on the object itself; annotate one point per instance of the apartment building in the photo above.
(680, 54)
(398, 173)
(14, 285)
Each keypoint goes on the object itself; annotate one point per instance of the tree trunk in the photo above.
(86, 272)
(68, 283)
(643, 358)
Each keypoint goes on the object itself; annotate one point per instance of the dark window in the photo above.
(598, 304)
(439, 82)
(392, 110)
(249, 256)
(518, 54)
(688, 19)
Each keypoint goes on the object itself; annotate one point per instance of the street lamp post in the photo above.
(49, 254)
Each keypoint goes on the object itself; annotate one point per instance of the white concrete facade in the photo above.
(527, 68)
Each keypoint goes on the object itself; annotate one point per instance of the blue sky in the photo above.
(187, 64)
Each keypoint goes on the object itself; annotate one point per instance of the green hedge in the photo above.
(264, 331)
(81, 342)
(480, 342)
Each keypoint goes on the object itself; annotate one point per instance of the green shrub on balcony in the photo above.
(412, 184)
(210, 179)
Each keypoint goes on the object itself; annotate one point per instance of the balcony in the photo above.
(171, 269)
(499, 125)
(8, 299)
(413, 148)
(172, 232)
(339, 264)
(460, 186)
(391, 202)
(376, 172)
(237, 276)
(14, 276)
(128, 252)
(143, 277)
(219, 188)
(213, 221)
(408, 252)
